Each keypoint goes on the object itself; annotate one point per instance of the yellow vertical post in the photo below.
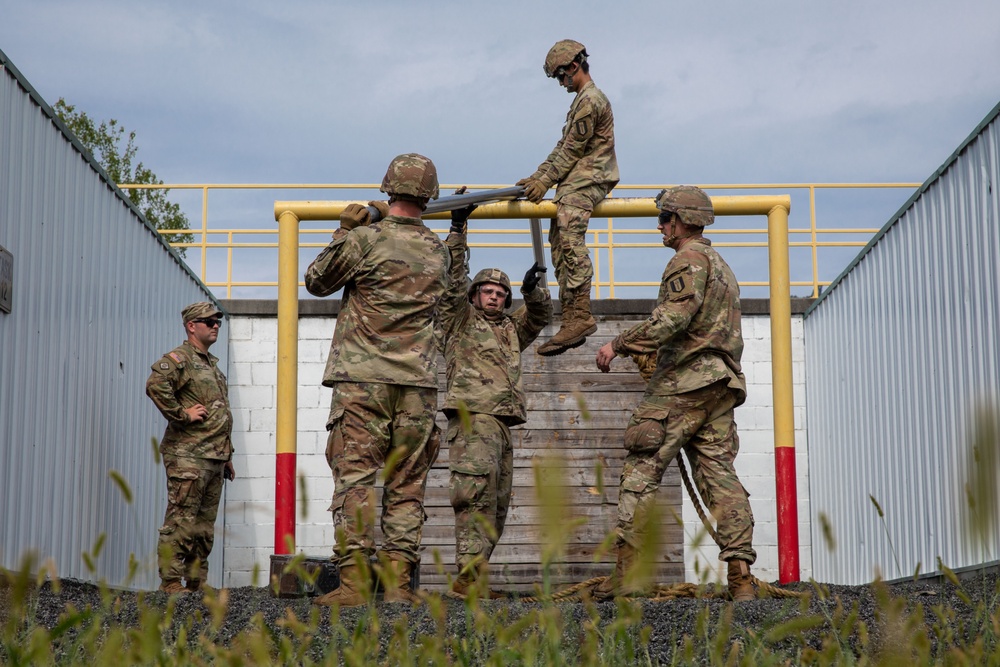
(286, 431)
(781, 378)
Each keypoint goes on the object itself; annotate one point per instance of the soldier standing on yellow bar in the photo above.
(382, 367)
(584, 169)
(696, 335)
(190, 391)
(483, 348)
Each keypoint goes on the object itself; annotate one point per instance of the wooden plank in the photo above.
(587, 533)
(577, 401)
(575, 496)
(586, 382)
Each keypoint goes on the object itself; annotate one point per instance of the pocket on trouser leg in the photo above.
(467, 453)
(629, 495)
(182, 485)
(644, 435)
(469, 498)
(334, 442)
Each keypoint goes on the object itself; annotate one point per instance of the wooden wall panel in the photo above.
(576, 415)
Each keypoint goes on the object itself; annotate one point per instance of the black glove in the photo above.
(460, 218)
(532, 278)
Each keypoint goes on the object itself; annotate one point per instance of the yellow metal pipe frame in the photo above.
(618, 207)
(286, 431)
(775, 207)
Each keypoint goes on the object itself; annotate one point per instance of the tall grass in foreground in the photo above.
(874, 628)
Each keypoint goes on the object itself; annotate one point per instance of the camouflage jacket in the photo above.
(393, 274)
(183, 378)
(483, 357)
(695, 328)
(583, 163)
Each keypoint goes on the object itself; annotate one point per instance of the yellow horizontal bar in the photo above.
(493, 186)
(617, 207)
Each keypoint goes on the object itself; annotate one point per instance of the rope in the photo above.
(694, 498)
(660, 592)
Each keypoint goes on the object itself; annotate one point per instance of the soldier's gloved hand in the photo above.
(382, 207)
(532, 278)
(534, 189)
(460, 216)
(354, 215)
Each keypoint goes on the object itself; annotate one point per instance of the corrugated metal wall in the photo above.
(96, 299)
(900, 351)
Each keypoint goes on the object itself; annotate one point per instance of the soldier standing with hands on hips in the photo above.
(584, 168)
(695, 332)
(187, 386)
(483, 346)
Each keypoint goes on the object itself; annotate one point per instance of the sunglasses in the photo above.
(209, 321)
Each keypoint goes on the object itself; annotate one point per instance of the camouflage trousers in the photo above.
(373, 425)
(570, 257)
(700, 422)
(481, 461)
(194, 488)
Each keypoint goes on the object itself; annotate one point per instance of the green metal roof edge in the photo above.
(990, 117)
(50, 112)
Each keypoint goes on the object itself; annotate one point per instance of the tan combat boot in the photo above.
(350, 593)
(476, 579)
(194, 585)
(614, 586)
(577, 324)
(172, 586)
(741, 581)
(396, 582)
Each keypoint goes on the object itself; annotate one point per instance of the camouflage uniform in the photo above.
(697, 382)
(382, 367)
(194, 455)
(584, 166)
(484, 379)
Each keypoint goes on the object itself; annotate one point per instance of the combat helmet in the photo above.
(411, 175)
(690, 203)
(495, 276)
(562, 54)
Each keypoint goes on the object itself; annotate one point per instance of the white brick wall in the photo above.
(755, 463)
(250, 499)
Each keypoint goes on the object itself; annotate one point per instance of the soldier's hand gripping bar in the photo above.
(450, 203)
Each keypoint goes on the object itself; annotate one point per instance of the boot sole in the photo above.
(568, 345)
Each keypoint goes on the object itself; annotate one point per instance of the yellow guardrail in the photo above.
(230, 257)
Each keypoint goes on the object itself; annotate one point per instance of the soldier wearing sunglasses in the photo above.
(190, 391)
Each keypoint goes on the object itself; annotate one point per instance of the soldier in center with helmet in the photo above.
(696, 337)
(483, 346)
(383, 370)
(584, 168)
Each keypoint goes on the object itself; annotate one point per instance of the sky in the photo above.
(703, 92)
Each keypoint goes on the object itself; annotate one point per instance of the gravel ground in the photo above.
(669, 622)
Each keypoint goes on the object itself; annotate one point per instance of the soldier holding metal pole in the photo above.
(483, 346)
(584, 169)
(383, 371)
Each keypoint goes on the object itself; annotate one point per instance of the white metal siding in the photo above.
(97, 299)
(899, 354)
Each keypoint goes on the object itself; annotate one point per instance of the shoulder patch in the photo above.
(164, 366)
(679, 285)
(176, 357)
(582, 126)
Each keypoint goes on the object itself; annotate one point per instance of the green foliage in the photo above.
(117, 156)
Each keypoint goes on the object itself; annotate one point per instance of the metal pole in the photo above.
(286, 431)
(781, 382)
